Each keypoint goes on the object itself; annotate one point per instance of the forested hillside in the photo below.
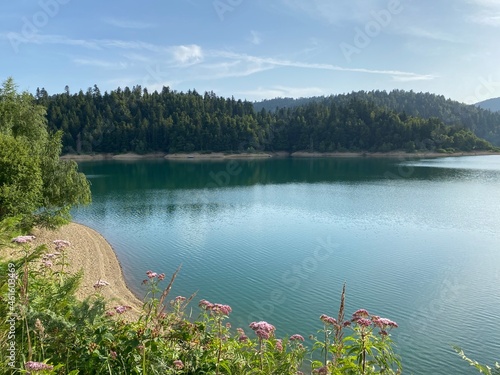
(491, 104)
(482, 122)
(169, 121)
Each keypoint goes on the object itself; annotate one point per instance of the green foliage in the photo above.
(34, 182)
(483, 369)
(169, 121)
(20, 178)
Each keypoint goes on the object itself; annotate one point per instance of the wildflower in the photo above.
(49, 256)
(383, 322)
(204, 304)
(347, 323)
(121, 309)
(112, 354)
(61, 244)
(228, 325)
(240, 331)
(219, 308)
(151, 274)
(161, 276)
(23, 239)
(100, 284)
(296, 337)
(262, 325)
(47, 263)
(215, 307)
(363, 322)
(328, 319)
(110, 313)
(263, 335)
(361, 313)
(37, 366)
(321, 371)
(179, 299)
(243, 338)
(262, 329)
(178, 364)
(279, 345)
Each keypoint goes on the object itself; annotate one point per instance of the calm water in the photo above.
(416, 241)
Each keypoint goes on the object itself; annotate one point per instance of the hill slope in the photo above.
(483, 123)
(491, 104)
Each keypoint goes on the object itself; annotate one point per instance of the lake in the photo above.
(415, 240)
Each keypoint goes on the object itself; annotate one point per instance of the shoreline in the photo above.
(91, 252)
(281, 154)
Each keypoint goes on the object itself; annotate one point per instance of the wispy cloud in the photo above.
(304, 65)
(187, 55)
(487, 13)
(487, 19)
(335, 11)
(101, 63)
(18, 38)
(255, 37)
(128, 24)
(430, 34)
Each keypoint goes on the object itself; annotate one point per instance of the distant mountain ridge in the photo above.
(491, 104)
(482, 122)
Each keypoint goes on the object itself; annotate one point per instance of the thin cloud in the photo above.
(101, 63)
(332, 67)
(48, 39)
(428, 34)
(488, 14)
(187, 55)
(255, 37)
(128, 24)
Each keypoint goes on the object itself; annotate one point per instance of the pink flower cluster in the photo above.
(61, 244)
(296, 337)
(383, 323)
(216, 308)
(23, 239)
(152, 275)
(328, 319)
(179, 365)
(262, 329)
(121, 309)
(37, 366)
(364, 319)
(279, 345)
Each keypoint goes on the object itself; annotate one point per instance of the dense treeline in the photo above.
(169, 121)
(484, 123)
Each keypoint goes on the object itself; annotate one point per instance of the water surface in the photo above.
(416, 241)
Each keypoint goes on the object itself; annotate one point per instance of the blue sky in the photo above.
(255, 49)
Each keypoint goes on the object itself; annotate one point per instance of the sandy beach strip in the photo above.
(91, 252)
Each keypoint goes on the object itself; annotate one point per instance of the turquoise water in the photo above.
(416, 241)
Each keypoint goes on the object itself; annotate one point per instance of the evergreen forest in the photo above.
(136, 120)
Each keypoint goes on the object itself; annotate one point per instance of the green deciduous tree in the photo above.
(34, 182)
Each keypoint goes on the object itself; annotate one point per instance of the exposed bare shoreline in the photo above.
(91, 252)
(298, 154)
